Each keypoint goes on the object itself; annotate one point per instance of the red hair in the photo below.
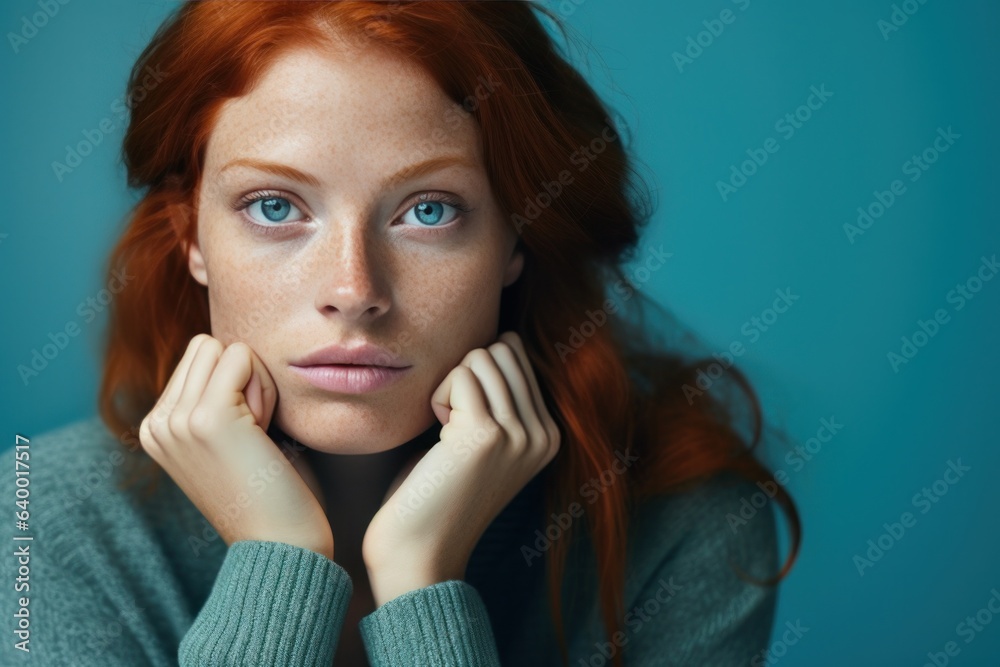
(618, 389)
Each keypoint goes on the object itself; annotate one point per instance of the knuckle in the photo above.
(148, 440)
(500, 346)
(462, 369)
(538, 435)
(488, 431)
(553, 441)
(145, 437)
(238, 348)
(478, 354)
(202, 421)
(517, 436)
(213, 344)
(177, 424)
(552, 429)
(156, 422)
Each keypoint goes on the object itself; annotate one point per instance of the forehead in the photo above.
(315, 108)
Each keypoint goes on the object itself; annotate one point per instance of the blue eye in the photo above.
(431, 213)
(274, 209)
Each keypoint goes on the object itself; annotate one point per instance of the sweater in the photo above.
(98, 576)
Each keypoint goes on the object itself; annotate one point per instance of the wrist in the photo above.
(390, 581)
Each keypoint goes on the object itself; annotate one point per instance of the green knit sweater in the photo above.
(108, 578)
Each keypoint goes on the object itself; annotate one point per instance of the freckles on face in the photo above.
(317, 227)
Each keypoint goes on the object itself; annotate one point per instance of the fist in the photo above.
(208, 432)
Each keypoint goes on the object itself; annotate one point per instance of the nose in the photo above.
(352, 275)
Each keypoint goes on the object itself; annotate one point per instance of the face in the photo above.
(344, 200)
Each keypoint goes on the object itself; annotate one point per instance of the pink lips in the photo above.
(350, 369)
(350, 379)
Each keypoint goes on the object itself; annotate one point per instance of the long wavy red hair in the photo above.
(618, 389)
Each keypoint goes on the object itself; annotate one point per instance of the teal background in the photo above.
(826, 357)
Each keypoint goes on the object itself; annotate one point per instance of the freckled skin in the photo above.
(346, 267)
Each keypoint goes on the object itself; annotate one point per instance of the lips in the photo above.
(350, 368)
(357, 354)
(350, 379)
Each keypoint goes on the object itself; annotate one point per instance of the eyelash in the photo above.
(246, 200)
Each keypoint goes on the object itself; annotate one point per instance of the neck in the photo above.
(357, 471)
(354, 485)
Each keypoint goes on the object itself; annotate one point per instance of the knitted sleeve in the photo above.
(272, 604)
(442, 624)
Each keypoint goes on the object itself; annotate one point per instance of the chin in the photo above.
(354, 427)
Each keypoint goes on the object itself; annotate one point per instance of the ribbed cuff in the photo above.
(272, 604)
(443, 624)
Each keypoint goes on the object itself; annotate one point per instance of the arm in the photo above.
(67, 617)
(445, 623)
(100, 591)
(272, 604)
(496, 435)
(278, 598)
(693, 609)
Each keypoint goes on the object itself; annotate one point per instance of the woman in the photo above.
(373, 339)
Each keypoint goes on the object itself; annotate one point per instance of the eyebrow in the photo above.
(406, 173)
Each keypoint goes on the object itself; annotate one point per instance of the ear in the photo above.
(514, 265)
(183, 218)
(196, 263)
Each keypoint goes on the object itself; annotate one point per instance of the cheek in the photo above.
(243, 303)
(248, 289)
(456, 310)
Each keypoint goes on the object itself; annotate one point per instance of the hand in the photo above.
(497, 436)
(208, 432)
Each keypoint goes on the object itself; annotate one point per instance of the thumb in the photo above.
(442, 412)
(260, 391)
